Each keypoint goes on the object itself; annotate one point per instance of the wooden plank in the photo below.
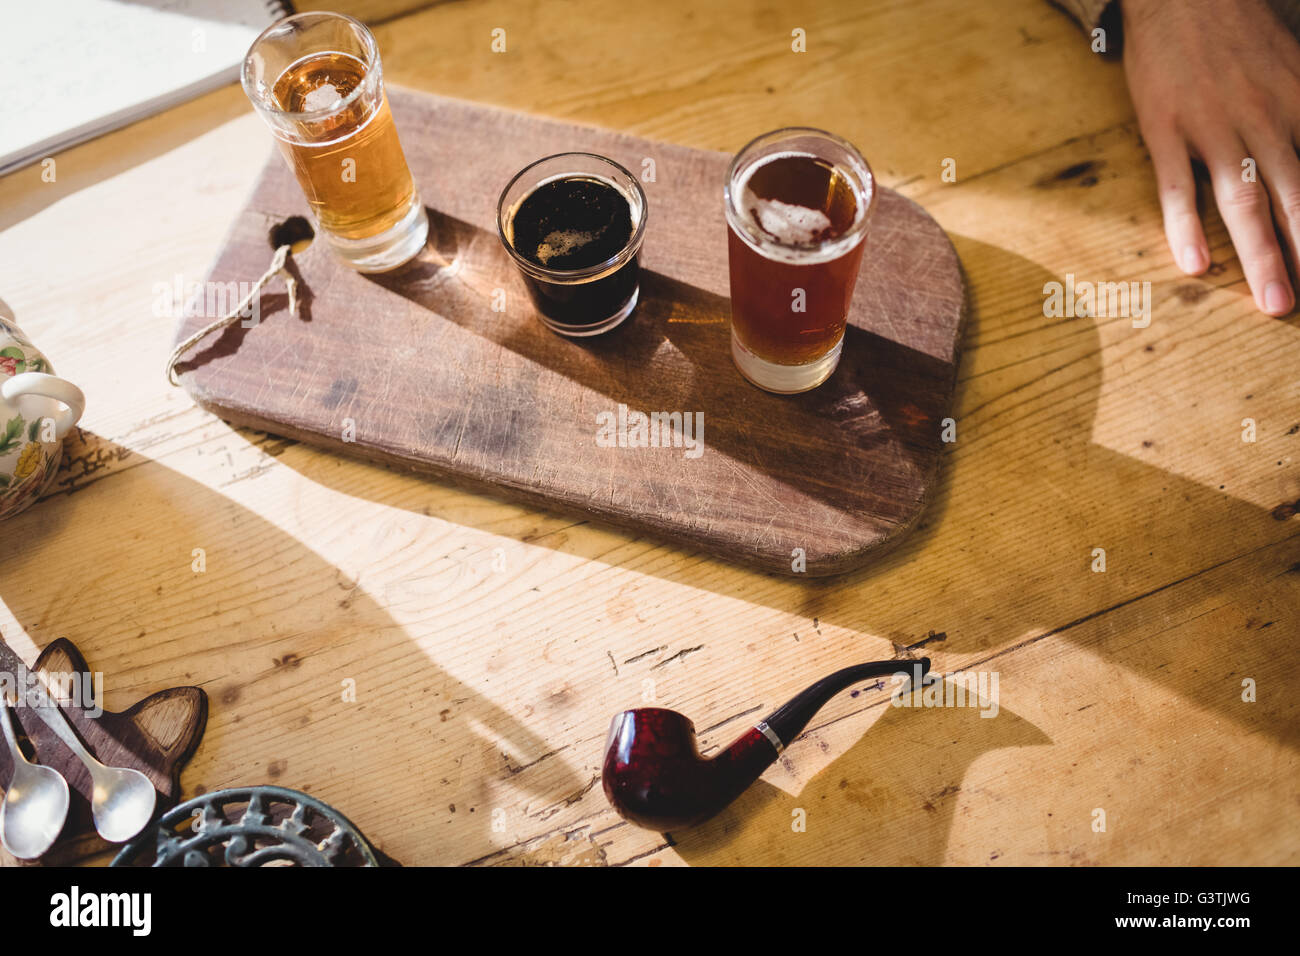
(419, 369)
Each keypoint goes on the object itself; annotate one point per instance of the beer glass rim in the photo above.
(630, 249)
(372, 65)
(826, 250)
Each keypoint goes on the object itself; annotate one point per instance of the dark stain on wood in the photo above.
(644, 654)
(1079, 174)
(878, 685)
(680, 655)
(1189, 293)
(340, 391)
(928, 639)
(273, 445)
(84, 459)
(1287, 509)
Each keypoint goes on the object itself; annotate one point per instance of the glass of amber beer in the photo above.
(797, 203)
(316, 80)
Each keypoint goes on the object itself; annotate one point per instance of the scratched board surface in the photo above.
(417, 370)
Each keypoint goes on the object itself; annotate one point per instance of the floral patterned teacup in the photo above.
(37, 408)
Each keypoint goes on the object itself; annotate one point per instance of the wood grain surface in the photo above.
(442, 366)
(490, 643)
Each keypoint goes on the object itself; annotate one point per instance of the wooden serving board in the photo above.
(156, 736)
(429, 377)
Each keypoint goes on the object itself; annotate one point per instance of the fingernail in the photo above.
(1277, 298)
(1193, 261)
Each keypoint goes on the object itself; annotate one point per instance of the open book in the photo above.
(79, 68)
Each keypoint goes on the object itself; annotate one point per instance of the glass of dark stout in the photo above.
(573, 223)
(797, 202)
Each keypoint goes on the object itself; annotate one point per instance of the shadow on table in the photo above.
(1012, 509)
(1008, 529)
(885, 396)
(889, 800)
(274, 634)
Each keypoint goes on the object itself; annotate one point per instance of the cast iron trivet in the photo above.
(252, 826)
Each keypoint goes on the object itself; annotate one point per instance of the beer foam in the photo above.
(571, 221)
(322, 98)
(561, 242)
(790, 224)
(786, 222)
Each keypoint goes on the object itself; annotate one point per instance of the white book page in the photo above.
(78, 68)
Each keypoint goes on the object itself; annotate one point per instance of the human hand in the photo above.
(1219, 81)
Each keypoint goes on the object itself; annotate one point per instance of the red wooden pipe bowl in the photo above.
(655, 777)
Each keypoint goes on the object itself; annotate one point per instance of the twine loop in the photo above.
(278, 267)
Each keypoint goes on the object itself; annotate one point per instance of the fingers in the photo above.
(1177, 189)
(1247, 213)
(1279, 167)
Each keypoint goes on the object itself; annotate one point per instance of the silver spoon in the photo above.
(123, 799)
(35, 805)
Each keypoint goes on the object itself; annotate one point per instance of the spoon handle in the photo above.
(49, 712)
(46, 708)
(10, 739)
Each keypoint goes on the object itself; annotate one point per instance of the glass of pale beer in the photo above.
(315, 78)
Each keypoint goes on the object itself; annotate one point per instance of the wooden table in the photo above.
(490, 643)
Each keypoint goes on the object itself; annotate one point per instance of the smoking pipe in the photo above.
(655, 777)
